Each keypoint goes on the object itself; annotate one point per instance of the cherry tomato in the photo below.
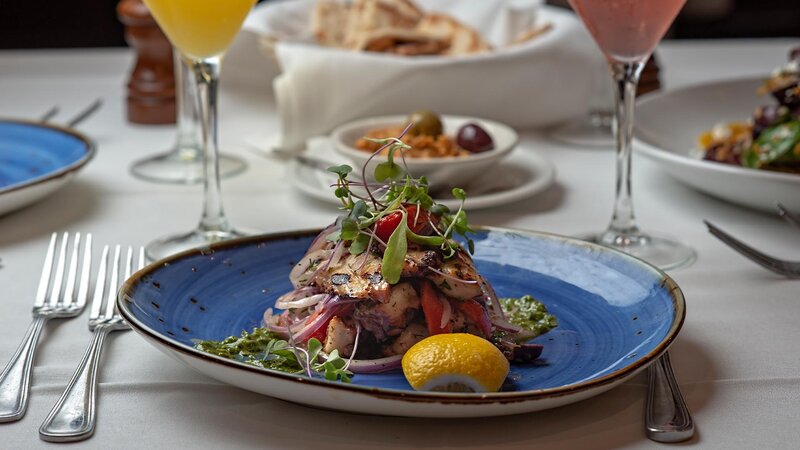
(475, 314)
(433, 309)
(322, 332)
(418, 223)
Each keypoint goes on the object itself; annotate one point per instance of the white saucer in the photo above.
(523, 174)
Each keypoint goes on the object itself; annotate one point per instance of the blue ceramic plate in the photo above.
(616, 314)
(36, 159)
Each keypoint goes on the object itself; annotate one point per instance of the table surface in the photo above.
(736, 357)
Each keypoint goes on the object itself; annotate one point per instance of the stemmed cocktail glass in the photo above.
(627, 31)
(183, 163)
(201, 30)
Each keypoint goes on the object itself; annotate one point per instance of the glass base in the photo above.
(662, 251)
(170, 245)
(183, 167)
(589, 131)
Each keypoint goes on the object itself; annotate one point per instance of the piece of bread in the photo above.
(405, 42)
(463, 39)
(531, 34)
(367, 16)
(329, 22)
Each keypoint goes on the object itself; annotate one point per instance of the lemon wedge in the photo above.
(456, 362)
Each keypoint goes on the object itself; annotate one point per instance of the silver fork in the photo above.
(666, 416)
(73, 417)
(55, 298)
(789, 269)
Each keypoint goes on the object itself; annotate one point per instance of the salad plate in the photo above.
(667, 128)
(520, 176)
(36, 160)
(616, 315)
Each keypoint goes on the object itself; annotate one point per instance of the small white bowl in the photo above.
(453, 171)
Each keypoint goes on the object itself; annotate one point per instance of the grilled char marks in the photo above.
(356, 277)
(339, 279)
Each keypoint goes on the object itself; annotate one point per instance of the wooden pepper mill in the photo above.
(649, 80)
(151, 87)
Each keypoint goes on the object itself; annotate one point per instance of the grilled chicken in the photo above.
(359, 276)
(410, 336)
(339, 336)
(390, 317)
(460, 267)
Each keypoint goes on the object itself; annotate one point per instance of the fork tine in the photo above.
(113, 283)
(55, 293)
(769, 262)
(141, 258)
(97, 300)
(86, 268)
(129, 262)
(787, 216)
(41, 293)
(73, 269)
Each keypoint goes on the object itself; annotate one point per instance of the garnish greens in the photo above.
(528, 313)
(399, 191)
(263, 348)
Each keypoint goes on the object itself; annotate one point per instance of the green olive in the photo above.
(425, 123)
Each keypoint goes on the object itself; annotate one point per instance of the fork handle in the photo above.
(73, 417)
(667, 418)
(15, 380)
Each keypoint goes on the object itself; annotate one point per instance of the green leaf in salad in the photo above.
(349, 229)
(342, 170)
(359, 244)
(779, 144)
(395, 253)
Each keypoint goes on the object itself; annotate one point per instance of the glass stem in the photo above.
(626, 78)
(206, 74)
(186, 142)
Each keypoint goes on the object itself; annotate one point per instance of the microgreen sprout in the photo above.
(399, 191)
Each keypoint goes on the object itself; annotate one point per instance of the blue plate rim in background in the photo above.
(89, 146)
(669, 285)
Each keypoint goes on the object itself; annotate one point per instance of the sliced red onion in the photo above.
(504, 325)
(355, 346)
(270, 322)
(311, 327)
(298, 294)
(491, 296)
(335, 299)
(303, 302)
(447, 311)
(320, 242)
(324, 266)
(375, 365)
(337, 254)
(296, 275)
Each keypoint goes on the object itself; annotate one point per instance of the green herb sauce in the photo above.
(263, 348)
(530, 314)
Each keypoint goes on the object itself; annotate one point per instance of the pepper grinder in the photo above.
(151, 86)
(650, 79)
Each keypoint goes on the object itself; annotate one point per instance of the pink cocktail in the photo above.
(627, 31)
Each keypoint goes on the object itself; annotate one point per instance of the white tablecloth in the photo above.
(736, 357)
